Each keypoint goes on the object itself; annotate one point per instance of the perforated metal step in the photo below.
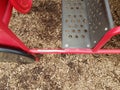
(84, 22)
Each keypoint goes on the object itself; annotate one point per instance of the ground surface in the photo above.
(58, 72)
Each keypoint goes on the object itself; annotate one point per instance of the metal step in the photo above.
(84, 22)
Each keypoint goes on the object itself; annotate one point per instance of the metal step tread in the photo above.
(84, 22)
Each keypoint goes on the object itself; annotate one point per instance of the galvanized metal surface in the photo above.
(85, 22)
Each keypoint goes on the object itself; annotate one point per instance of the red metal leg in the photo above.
(5, 11)
(7, 38)
(106, 38)
(3, 6)
(8, 41)
(7, 14)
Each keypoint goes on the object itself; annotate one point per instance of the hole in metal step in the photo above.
(78, 20)
(70, 36)
(79, 30)
(80, 15)
(73, 31)
(84, 20)
(75, 16)
(77, 7)
(76, 36)
(81, 25)
(73, 21)
(85, 30)
(66, 21)
(83, 36)
(69, 16)
(72, 8)
(70, 26)
(66, 30)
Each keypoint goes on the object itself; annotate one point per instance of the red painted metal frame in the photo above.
(96, 50)
(9, 40)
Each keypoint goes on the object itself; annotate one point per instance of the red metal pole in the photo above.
(74, 51)
(106, 38)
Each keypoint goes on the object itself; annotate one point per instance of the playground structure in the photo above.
(86, 27)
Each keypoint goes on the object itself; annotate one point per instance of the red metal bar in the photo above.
(7, 14)
(3, 6)
(106, 38)
(74, 51)
(5, 11)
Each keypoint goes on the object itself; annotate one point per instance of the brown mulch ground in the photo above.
(58, 72)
